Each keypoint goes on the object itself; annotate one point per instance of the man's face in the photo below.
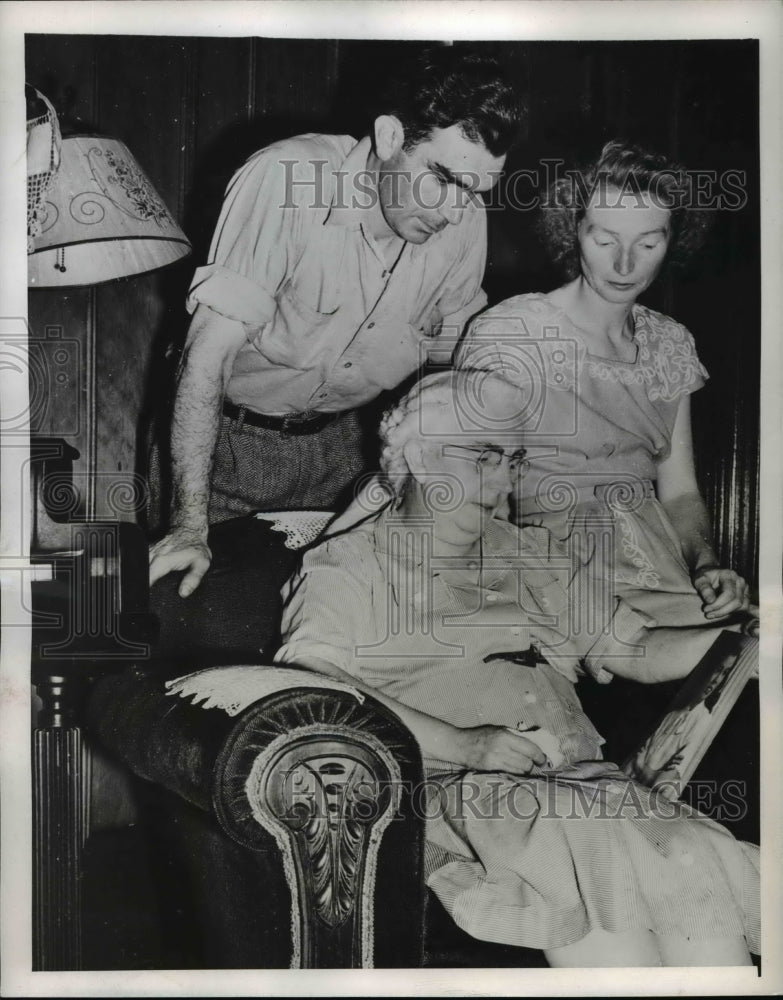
(428, 188)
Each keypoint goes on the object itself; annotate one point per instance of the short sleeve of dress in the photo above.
(327, 605)
(252, 243)
(667, 356)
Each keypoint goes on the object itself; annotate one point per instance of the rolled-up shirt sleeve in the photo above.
(326, 607)
(251, 246)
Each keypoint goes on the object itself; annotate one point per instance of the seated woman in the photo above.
(432, 604)
(609, 467)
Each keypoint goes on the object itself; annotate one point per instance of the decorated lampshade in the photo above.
(99, 218)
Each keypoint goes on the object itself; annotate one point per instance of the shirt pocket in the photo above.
(297, 334)
(294, 299)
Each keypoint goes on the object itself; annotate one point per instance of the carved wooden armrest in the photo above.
(321, 780)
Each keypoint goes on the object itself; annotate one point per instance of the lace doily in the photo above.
(301, 527)
(232, 689)
(43, 159)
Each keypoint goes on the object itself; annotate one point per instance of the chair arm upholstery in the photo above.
(316, 780)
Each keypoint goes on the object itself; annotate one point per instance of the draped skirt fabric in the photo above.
(541, 861)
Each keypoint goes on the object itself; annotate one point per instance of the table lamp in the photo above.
(92, 213)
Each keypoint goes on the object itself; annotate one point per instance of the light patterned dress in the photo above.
(594, 430)
(539, 860)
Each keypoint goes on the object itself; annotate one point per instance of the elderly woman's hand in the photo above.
(722, 590)
(495, 748)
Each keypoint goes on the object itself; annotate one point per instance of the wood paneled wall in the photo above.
(192, 110)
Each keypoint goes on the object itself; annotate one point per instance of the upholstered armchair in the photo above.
(288, 809)
(294, 814)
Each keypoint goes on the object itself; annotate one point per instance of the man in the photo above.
(335, 268)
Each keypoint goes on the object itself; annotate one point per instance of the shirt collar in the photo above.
(350, 191)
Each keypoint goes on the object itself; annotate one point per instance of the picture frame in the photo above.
(670, 755)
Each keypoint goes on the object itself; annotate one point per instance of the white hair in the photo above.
(460, 391)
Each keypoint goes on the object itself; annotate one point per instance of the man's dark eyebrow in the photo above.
(448, 175)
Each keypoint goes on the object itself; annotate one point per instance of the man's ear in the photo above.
(389, 136)
(413, 453)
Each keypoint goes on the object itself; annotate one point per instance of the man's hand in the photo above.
(182, 549)
(212, 344)
(495, 748)
(722, 590)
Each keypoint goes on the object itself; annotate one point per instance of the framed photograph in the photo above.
(670, 755)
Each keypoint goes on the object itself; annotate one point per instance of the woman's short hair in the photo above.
(631, 169)
(463, 392)
(452, 85)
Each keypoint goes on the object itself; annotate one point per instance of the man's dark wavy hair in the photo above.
(632, 170)
(454, 85)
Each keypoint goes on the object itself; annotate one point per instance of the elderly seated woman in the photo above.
(432, 604)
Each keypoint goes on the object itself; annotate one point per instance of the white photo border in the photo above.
(411, 19)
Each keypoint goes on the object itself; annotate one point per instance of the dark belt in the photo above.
(291, 424)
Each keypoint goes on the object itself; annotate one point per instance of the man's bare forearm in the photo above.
(207, 363)
(194, 430)
(212, 345)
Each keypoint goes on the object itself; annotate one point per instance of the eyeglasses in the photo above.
(486, 456)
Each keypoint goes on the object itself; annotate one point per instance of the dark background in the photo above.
(192, 110)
